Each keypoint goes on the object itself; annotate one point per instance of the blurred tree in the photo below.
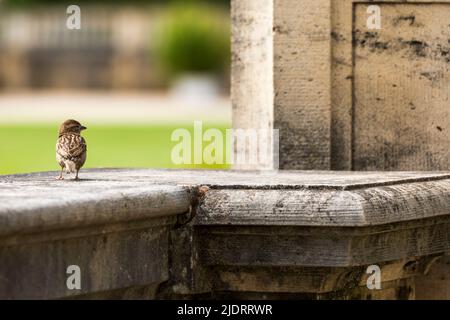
(194, 37)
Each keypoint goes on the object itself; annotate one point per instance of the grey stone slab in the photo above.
(374, 205)
(36, 202)
(183, 233)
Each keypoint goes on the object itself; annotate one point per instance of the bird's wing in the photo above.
(71, 146)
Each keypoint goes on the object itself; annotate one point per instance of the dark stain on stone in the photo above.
(432, 76)
(419, 47)
(404, 292)
(444, 52)
(410, 18)
(280, 30)
(279, 204)
(341, 62)
(411, 266)
(337, 36)
(387, 155)
(439, 128)
(368, 39)
(299, 148)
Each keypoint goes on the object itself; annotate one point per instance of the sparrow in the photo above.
(70, 148)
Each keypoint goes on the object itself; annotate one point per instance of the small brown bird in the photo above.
(71, 148)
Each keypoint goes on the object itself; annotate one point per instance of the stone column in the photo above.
(252, 84)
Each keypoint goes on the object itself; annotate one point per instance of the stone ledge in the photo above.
(131, 231)
(36, 202)
(47, 205)
(366, 206)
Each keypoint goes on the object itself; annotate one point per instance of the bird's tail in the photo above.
(70, 166)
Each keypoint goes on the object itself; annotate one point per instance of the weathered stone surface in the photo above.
(302, 83)
(346, 97)
(171, 234)
(110, 258)
(401, 88)
(319, 282)
(251, 76)
(330, 247)
(360, 207)
(435, 283)
(41, 203)
(117, 232)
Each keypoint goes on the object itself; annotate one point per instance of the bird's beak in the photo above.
(83, 128)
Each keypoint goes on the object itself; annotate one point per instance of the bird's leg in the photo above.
(61, 174)
(76, 176)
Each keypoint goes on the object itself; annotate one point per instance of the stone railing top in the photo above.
(38, 202)
(235, 179)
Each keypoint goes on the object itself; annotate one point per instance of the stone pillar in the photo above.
(252, 64)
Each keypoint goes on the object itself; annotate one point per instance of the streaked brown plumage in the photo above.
(71, 148)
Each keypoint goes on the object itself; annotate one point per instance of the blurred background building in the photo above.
(133, 63)
(112, 50)
(119, 45)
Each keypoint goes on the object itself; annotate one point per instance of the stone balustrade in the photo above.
(240, 234)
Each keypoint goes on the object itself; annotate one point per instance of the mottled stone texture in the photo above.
(280, 74)
(302, 106)
(232, 234)
(402, 88)
(116, 231)
(435, 284)
(349, 98)
(343, 98)
(251, 76)
(346, 97)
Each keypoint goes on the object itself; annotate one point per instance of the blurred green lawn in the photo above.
(31, 148)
